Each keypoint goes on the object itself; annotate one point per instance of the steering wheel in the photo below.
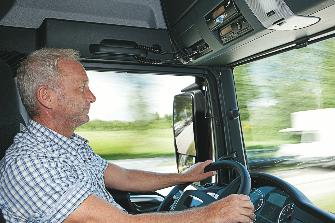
(244, 182)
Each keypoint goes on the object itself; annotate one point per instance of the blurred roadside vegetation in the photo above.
(270, 90)
(326, 202)
(100, 125)
(124, 140)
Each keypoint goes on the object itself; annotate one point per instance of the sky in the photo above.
(117, 93)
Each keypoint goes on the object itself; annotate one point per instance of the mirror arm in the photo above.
(228, 157)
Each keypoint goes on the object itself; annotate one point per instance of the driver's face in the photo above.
(74, 95)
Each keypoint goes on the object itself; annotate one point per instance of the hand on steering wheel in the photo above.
(244, 186)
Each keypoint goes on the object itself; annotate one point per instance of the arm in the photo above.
(137, 180)
(232, 209)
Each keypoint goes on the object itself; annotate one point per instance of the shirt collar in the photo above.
(45, 134)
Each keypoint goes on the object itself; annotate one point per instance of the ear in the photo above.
(44, 96)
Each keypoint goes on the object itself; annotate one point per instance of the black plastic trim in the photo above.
(299, 43)
(300, 200)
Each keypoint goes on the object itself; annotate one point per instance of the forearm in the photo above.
(232, 209)
(93, 209)
(150, 181)
(137, 180)
(194, 215)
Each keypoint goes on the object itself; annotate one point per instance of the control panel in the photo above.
(227, 23)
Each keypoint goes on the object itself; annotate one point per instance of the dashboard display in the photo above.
(257, 198)
(274, 208)
(277, 199)
(286, 213)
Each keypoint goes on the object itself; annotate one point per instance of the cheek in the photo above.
(70, 103)
(75, 104)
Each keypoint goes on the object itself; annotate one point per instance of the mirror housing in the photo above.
(191, 129)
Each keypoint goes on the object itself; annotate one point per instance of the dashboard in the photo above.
(272, 205)
(275, 201)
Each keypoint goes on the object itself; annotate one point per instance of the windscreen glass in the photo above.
(131, 120)
(287, 105)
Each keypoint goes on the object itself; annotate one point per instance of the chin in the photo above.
(85, 119)
(82, 121)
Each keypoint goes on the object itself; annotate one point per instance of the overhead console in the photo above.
(224, 31)
(198, 27)
(227, 23)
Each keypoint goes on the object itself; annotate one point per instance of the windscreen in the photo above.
(287, 105)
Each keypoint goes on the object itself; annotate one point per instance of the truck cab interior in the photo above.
(203, 39)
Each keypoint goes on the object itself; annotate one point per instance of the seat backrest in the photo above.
(2, 220)
(10, 117)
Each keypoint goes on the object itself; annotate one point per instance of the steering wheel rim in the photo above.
(244, 187)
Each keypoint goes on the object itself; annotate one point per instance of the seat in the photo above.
(2, 220)
(10, 117)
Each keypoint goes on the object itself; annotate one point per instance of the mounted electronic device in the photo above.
(227, 31)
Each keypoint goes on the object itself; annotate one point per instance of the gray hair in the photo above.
(40, 68)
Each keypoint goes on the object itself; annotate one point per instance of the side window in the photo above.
(131, 120)
(287, 105)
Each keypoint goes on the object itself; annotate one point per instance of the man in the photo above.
(50, 174)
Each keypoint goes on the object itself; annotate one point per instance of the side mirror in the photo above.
(191, 129)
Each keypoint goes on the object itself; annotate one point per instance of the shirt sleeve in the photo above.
(98, 163)
(50, 188)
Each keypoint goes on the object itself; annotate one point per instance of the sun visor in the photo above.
(57, 33)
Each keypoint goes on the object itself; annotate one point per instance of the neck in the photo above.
(59, 126)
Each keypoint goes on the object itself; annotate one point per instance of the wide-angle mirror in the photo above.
(183, 130)
(189, 127)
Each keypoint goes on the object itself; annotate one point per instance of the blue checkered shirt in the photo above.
(45, 176)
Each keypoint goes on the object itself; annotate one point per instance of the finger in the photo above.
(207, 162)
(253, 217)
(247, 213)
(244, 197)
(243, 219)
(250, 216)
(247, 205)
(209, 174)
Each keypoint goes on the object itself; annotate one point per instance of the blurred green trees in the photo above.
(271, 89)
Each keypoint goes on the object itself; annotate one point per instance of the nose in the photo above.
(90, 96)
